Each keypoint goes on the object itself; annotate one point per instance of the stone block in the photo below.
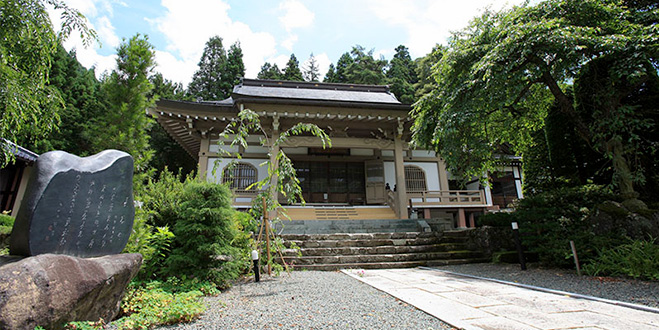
(50, 290)
(76, 206)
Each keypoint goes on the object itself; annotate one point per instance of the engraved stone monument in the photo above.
(76, 206)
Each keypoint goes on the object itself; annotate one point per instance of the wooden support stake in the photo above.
(267, 237)
(576, 258)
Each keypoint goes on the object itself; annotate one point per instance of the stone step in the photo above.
(388, 265)
(386, 249)
(332, 243)
(381, 258)
(350, 236)
(346, 226)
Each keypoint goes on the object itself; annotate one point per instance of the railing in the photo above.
(447, 197)
(244, 198)
(391, 201)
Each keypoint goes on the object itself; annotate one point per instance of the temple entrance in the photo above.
(332, 182)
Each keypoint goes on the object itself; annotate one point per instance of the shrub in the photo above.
(148, 305)
(637, 259)
(549, 221)
(205, 235)
(6, 223)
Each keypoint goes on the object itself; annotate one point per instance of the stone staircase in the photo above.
(332, 251)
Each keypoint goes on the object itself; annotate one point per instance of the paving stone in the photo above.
(471, 299)
(608, 322)
(500, 323)
(534, 318)
(544, 304)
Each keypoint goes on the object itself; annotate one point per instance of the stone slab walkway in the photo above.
(479, 304)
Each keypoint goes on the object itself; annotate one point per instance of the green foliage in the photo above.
(127, 88)
(401, 75)
(637, 259)
(83, 102)
(27, 45)
(6, 220)
(270, 72)
(499, 76)
(292, 70)
(363, 68)
(218, 71)
(151, 304)
(205, 231)
(549, 221)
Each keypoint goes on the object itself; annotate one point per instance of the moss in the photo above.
(613, 209)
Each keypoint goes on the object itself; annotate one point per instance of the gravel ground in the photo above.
(633, 291)
(309, 300)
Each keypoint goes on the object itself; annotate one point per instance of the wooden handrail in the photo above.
(447, 197)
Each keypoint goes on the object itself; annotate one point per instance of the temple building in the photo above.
(370, 170)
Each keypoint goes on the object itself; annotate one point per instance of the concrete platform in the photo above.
(472, 303)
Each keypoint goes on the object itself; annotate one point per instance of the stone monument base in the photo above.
(50, 290)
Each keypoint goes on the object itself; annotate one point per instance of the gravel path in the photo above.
(633, 291)
(309, 300)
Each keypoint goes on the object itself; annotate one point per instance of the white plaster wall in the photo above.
(432, 178)
(222, 162)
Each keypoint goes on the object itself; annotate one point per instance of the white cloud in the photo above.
(429, 22)
(174, 69)
(289, 42)
(106, 32)
(89, 56)
(296, 15)
(187, 25)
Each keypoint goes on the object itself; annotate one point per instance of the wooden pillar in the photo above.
(462, 221)
(472, 220)
(401, 196)
(204, 149)
(443, 175)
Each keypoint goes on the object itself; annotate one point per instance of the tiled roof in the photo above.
(311, 91)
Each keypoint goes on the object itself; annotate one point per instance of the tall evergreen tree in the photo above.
(365, 69)
(342, 65)
(28, 105)
(311, 70)
(235, 69)
(208, 81)
(330, 76)
(125, 123)
(83, 100)
(292, 70)
(424, 72)
(401, 75)
(270, 71)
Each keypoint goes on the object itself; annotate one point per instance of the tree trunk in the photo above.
(623, 175)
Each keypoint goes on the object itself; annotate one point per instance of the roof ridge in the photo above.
(315, 85)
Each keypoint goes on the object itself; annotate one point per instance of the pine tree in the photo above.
(292, 70)
(330, 76)
(269, 71)
(207, 83)
(125, 122)
(311, 70)
(401, 75)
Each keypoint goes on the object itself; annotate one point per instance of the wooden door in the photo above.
(374, 172)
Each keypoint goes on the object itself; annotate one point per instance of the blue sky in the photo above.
(270, 30)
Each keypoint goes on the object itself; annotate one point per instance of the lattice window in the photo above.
(415, 179)
(240, 175)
